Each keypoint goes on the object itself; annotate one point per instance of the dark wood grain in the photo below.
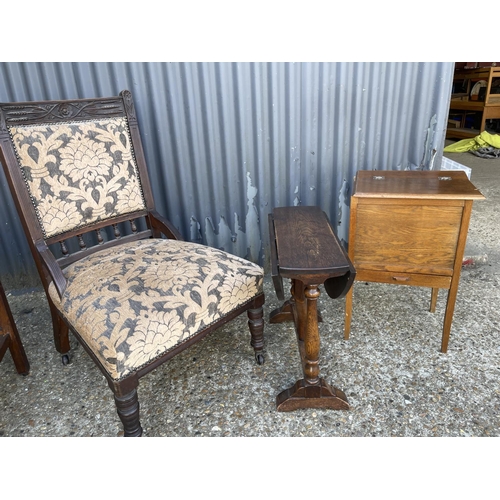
(306, 243)
(305, 249)
(10, 338)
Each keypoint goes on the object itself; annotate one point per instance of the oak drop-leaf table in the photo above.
(305, 250)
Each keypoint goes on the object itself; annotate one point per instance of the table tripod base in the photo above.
(304, 395)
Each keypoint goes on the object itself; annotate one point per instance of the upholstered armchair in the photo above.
(115, 272)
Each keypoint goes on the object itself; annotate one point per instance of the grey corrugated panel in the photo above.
(225, 142)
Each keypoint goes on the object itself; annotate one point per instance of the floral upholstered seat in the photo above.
(114, 270)
(133, 305)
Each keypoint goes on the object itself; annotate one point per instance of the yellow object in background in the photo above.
(483, 140)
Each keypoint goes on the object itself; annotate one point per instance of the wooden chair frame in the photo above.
(50, 266)
(10, 338)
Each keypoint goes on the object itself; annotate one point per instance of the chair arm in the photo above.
(162, 224)
(51, 266)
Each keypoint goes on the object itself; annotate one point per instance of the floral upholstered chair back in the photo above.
(79, 172)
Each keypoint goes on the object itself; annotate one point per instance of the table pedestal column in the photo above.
(311, 391)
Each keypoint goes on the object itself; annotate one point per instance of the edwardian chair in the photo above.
(9, 337)
(115, 272)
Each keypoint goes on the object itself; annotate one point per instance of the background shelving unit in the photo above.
(469, 114)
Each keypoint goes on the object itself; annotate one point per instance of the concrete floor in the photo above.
(395, 378)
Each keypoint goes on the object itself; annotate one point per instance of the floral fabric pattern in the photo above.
(134, 303)
(78, 173)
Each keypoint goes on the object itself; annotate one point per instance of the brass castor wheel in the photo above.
(65, 359)
(259, 358)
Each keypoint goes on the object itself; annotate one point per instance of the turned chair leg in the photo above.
(127, 407)
(256, 325)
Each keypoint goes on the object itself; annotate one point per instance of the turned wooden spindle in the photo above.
(100, 239)
(311, 341)
(64, 248)
(256, 325)
(127, 407)
(81, 242)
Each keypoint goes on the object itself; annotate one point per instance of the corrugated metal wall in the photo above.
(226, 142)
